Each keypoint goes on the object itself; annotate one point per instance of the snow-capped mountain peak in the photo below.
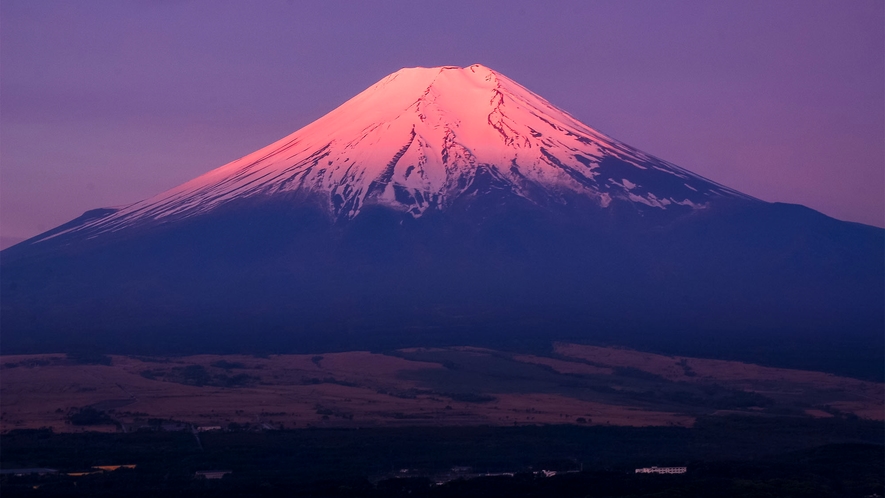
(418, 139)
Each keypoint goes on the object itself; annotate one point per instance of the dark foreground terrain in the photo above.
(725, 456)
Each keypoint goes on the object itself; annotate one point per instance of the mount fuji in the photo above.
(419, 140)
(442, 205)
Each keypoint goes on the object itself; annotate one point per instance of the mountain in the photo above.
(443, 205)
(419, 140)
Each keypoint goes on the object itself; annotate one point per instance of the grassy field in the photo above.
(576, 384)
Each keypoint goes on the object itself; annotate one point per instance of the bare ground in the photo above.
(583, 384)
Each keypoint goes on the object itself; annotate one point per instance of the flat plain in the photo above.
(459, 386)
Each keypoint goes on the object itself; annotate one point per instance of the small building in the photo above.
(662, 470)
(212, 474)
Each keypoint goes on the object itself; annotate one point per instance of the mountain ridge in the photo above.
(418, 138)
(461, 227)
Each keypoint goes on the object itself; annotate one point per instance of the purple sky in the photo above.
(106, 103)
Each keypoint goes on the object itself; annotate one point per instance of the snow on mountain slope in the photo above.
(417, 139)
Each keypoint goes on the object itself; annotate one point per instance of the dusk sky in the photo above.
(107, 103)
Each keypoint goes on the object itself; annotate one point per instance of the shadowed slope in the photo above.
(447, 206)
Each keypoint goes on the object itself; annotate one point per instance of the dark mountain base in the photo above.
(773, 284)
(855, 356)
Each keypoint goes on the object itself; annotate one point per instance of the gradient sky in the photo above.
(106, 103)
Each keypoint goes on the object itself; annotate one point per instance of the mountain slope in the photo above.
(418, 139)
(443, 206)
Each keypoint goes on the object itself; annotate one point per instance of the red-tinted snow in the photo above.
(425, 131)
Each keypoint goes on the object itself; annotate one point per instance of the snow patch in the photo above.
(414, 141)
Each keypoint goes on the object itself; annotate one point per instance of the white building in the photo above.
(662, 470)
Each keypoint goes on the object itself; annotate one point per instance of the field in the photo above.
(576, 384)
